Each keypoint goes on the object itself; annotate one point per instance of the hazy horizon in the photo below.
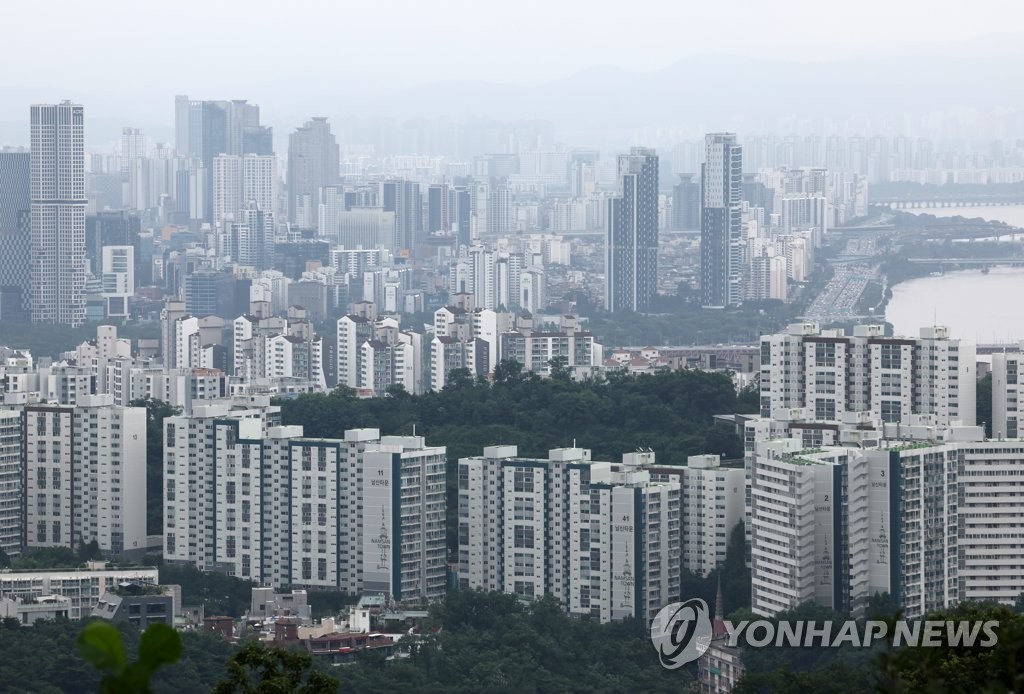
(316, 58)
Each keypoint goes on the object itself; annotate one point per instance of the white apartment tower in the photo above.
(831, 373)
(58, 201)
(11, 482)
(1007, 379)
(601, 538)
(85, 475)
(712, 504)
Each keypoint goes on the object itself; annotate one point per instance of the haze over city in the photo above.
(537, 346)
(646, 63)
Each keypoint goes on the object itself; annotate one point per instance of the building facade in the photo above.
(57, 241)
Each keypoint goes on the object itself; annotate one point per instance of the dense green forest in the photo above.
(670, 412)
(492, 642)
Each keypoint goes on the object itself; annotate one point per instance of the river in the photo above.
(985, 308)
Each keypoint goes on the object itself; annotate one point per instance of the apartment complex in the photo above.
(256, 500)
(832, 373)
(602, 538)
(919, 510)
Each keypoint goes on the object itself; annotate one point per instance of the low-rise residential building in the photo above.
(82, 587)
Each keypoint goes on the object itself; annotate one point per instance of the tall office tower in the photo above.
(57, 244)
(438, 210)
(85, 475)
(460, 214)
(1007, 394)
(500, 213)
(15, 216)
(631, 249)
(601, 538)
(721, 224)
(11, 482)
(686, 203)
(312, 164)
(403, 198)
(206, 129)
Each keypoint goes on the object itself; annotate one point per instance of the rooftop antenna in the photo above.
(414, 428)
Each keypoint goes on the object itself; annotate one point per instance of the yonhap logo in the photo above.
(681, 632)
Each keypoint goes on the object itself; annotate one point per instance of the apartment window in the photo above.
(523, 509)
(523, 564)
(463, 534)
(321, 569)
(56, 532)
(523, 480)
(41, 477)
(1011, 372)
(892, 356)
(169, 543)
(891, 411)
(56, 478)
(824, 409)
(229, 492)
(524, 589)
(41, 531)
(169, 436)
(321, 514)
(523, 536)
(825, 353)
(307, 569)
(231, 546)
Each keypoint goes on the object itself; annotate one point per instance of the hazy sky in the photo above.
(122, 43)
(279, 54)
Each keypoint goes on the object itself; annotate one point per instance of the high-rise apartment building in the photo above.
(312, 164)
(1007, 394)
(600, 537)
(631, 249)
(832, 373)
(361, 514)
(11, 482)
(721, 224)
(403, 198)
(85, 475)
(15, 223)
(712, 502)
(57, 241)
